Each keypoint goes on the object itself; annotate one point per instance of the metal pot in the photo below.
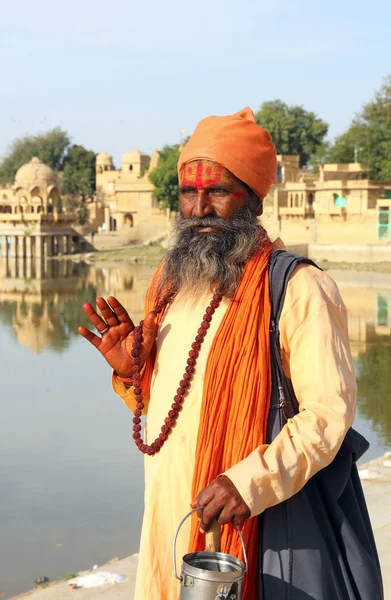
(210, 575)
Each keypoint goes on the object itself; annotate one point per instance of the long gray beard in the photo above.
(199, 263)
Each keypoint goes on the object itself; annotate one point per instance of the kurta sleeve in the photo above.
(316, 357)
(127, 394)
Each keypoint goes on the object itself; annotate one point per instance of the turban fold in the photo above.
(239, 144)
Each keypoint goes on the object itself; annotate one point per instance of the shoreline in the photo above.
(375, 476)
(154, 252)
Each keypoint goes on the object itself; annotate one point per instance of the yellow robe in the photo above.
(316, 355)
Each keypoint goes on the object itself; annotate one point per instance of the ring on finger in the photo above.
(104, 330)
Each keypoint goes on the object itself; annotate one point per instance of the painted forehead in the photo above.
(205, 173)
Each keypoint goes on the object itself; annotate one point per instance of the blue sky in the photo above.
(119, 74)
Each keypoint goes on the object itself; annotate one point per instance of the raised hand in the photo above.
(116, 329)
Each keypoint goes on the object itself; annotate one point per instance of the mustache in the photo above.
(207, 221)
(230, 226)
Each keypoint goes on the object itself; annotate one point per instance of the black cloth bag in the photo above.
(318, 544)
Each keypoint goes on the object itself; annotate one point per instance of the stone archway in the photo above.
(128, 220)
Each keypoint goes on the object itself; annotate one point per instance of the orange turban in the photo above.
(237, 143)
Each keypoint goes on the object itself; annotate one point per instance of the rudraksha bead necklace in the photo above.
(184, 384)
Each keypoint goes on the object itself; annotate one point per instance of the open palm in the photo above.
(116, 328)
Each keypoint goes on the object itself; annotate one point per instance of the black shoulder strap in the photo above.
(281, 266)
(283, 403)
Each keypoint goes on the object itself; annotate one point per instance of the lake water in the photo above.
(71, 478)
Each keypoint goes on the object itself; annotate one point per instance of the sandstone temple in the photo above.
(339, 204)
(33, 223)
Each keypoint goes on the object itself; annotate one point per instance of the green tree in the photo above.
(78, 177)
(165, 178)
(369, 136)
(294, 130)
(78, 180)
(321, 155)
(374, 381)
(49, 147)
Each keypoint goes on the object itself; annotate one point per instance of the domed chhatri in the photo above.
(35, 173)
(104, 162)
(34, 223)
(104, 158)
(127, 193)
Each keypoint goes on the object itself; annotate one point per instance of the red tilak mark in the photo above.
(216, 179)
(239, 195)
(199, 176)
(200, 183)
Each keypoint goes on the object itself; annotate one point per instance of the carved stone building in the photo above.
(127, 192)
(340, 204)
(32, 221)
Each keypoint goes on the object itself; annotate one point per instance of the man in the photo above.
(202, 375)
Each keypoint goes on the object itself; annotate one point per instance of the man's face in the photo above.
(215, 234)
(208, 189)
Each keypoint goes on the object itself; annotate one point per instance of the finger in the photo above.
(149, 328)
(210, 513)
(93, 316)
(205, 496)
(95, 340)
(120, 311)
(109, 316)
(227, 516)
(203, 499)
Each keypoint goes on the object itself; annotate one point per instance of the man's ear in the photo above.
(260, 207)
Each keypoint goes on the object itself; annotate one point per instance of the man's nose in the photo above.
(201, 206)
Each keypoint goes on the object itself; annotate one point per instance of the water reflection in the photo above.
(374, 382)
(72, 477)
(368, 299)
(42, 301)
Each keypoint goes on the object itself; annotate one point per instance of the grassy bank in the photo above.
(380, 267)
(152, 253)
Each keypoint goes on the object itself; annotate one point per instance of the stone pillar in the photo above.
(28, 267)
(68, 244)
(12, 266)
(60, 244)
(62, 268)
(107, 219)
(28, 247)
(38, 247)
(49, 245)
(21, 245)
(38, 263)
(120, 221)
(21, 266)
(4, 246)
(48, 270)
(14, 246)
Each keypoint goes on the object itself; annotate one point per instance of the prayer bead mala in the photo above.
(184, 384)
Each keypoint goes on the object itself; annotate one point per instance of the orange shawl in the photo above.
(235, 401)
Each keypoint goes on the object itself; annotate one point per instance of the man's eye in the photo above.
(218, 191)
(189, 193)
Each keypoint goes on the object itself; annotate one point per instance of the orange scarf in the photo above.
(235, 401)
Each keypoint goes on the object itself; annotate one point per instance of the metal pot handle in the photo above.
(176, 536)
